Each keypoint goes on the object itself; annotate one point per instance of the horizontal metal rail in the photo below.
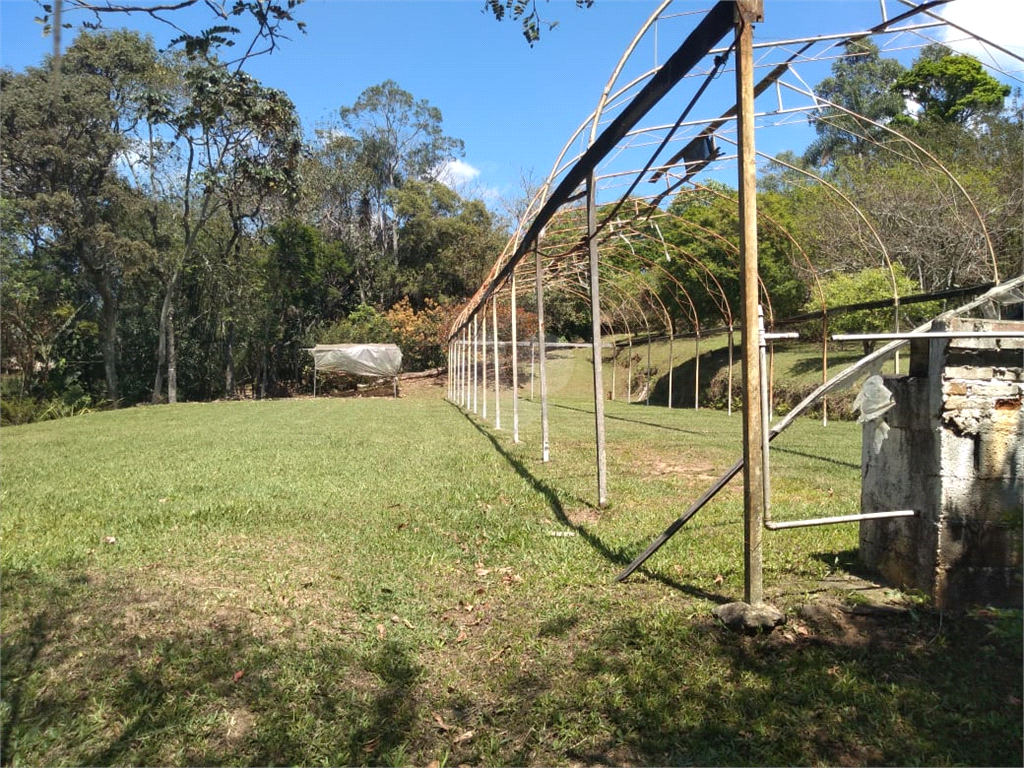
(929, 335)
(778, 526)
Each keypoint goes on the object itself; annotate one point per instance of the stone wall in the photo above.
(955, 454)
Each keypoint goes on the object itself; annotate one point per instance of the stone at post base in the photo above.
(749, 619)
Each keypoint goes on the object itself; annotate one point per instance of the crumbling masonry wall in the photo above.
(955, 454)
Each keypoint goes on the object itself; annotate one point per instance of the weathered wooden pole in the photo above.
(747, 12)
(595, 324)
(544, 434)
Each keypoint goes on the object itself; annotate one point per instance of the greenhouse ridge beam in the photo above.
(707, 34)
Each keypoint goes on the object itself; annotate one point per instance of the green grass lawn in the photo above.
(377, 581)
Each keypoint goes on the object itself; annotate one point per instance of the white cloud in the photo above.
(456, 173)
(997, 21)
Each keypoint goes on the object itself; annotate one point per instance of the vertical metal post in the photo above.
(314, 379)
(515, 366)
(544, 434)
(476, 363)
(696, 372)
(730, 369)
(595, 324)
(896, 329)
(671, 362)
(497, 363)
(483, 356)
(824, 368)
(615, 360)
(533, 368)
(765, 415)
(748, 11)
(629, 372)
(648, 393)
(466, 374)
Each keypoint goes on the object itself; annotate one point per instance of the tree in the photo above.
(233, 143)
(270, 17)
(861, 82)
(951, 88)
(447, 244)
(63, 139)
(385, 140)
(525, 12)
(871, 284)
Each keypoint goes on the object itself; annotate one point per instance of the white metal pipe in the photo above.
(497, 362)
(929, 335)
(773, 526)
(515, 366)
(483, 377)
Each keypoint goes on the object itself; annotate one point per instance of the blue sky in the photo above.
(513, 106)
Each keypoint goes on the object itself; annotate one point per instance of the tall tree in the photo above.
(233, 142)
(861, 82)
(951, 88)
(397, 139)
(63, 139)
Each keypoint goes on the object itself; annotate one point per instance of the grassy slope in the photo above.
(376, 581)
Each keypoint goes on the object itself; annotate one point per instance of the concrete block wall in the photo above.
(955, 453)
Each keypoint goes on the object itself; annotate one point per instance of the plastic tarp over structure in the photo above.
(360, 359)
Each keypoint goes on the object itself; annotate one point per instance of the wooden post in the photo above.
(747, 12)
(595, 324)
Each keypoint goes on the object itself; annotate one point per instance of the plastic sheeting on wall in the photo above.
(360, 359)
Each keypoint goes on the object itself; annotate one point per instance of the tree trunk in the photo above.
(166, 315)
(229, 363)
(108, 332)
(172, 360)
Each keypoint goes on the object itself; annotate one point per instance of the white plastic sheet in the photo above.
(873, 401)
(360, 359)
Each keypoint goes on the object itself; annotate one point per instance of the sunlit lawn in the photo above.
(378, 581)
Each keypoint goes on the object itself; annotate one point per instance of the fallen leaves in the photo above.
(442, 725)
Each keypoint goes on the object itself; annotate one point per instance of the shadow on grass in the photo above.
(885, 692)
(644, 685)
(617, 556)
(83, 688)
(623, 418)
(837, 462)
